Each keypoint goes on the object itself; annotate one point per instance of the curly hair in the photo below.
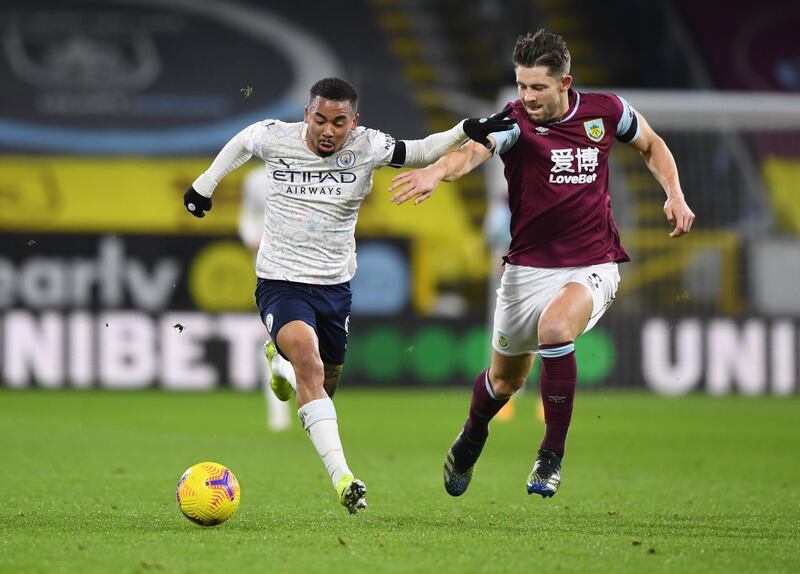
(335, 89)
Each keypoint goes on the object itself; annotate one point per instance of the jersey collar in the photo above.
(575, 101)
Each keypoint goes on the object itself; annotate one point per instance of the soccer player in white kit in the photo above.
(319, 171)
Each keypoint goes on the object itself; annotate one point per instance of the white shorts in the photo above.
(525, 292)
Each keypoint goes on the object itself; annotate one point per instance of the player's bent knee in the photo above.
(555, 331)
(504, 387)
(308, 367)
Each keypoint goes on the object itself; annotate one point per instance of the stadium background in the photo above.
(111, 109)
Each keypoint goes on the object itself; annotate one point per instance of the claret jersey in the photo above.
(557, 175)
(312, 202)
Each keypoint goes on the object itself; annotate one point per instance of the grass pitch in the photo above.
(650, 484)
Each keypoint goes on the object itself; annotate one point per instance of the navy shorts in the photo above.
(325, 307)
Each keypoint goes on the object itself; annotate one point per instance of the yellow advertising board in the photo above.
(116, 195)
(145, 196)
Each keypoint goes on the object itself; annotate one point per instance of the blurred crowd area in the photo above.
(109, 110)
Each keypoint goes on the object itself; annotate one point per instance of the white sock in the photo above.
(319, 420)
(284, 368)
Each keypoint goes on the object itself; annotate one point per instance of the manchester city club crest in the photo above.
(346, 159)
(595, 129)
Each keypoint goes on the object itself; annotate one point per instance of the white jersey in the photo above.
(312, 202)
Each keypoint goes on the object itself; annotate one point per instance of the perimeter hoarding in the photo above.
(140, 311)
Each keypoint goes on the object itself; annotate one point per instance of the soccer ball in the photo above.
(208, 494)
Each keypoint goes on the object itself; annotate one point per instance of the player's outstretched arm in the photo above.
(197, 198)
(661, 164)
(478, 129)
(419, 184)
(420, 153)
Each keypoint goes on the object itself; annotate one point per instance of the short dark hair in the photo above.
(335, 89)
(542, 49)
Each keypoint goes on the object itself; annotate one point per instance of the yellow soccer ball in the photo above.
(208, 494)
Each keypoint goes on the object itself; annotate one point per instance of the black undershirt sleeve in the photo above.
(399, 155)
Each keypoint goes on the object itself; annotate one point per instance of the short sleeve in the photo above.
(628, 124)
(382, 146)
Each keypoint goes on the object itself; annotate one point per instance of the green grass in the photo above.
(695, 484)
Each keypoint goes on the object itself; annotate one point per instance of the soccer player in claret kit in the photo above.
(560, 272)
(319, 171)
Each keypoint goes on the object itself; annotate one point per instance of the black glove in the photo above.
(196, 204)
(478, 128)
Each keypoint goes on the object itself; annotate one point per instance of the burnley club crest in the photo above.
(595, 129)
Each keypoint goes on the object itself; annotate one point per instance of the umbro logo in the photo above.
(540, 131)
(556, 399)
